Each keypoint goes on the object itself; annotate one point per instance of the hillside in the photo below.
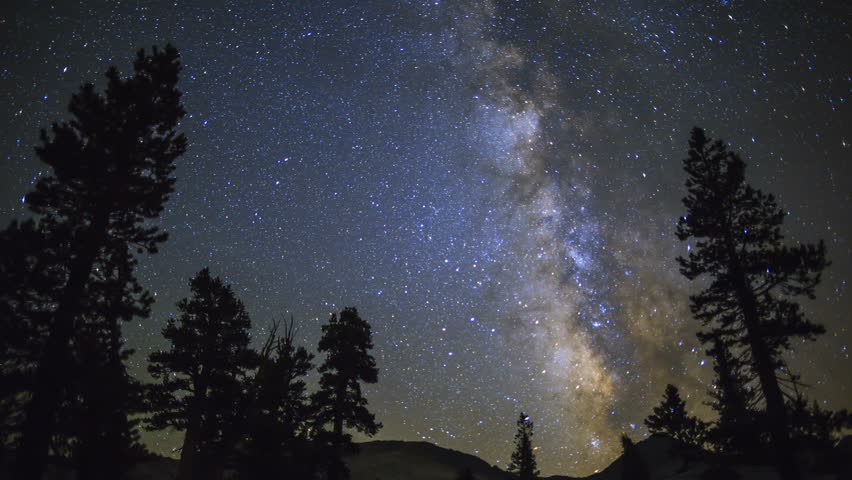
(668, 459)
(392, 460)
(664, 458)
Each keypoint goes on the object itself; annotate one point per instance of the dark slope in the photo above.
(396, 460)
(665, 458)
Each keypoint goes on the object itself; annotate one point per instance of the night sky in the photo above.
(494, 184)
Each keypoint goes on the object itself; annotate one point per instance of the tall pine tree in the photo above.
(111, 172)
(202, 376)
(737, 243)
(523, 462)
(346, 341)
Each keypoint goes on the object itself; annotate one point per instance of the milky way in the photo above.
(493, 184)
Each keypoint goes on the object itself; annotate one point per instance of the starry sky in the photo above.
(494, 184)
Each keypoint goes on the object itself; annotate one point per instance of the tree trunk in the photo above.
(186, 465)
(335, 472)
(87, 454)
(102, 447)
(51, 382)
(775, 408)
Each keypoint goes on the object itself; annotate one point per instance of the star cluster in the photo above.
(494, 184)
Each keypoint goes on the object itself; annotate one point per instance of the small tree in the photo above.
(347, 341)
(202, 376)
(523, 462)
(817, 427)
(670, 418)
(276, 439)
(754, 277)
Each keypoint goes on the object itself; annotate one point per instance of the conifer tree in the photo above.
(523, 462)
(346, 341)
(755, 278)
(202, 376)
(111, 172)
(276, 439)
(670, 418)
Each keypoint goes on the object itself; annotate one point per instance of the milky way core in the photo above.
(494, 184)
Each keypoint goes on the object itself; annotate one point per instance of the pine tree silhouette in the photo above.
(202, 377)
(736, 230)
(347, 341)
(111, 171)
(523, 458)
(670, 418)
(279, 417)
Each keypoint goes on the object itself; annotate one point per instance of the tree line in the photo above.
(67, 283)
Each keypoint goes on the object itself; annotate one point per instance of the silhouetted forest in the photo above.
(67, 283)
